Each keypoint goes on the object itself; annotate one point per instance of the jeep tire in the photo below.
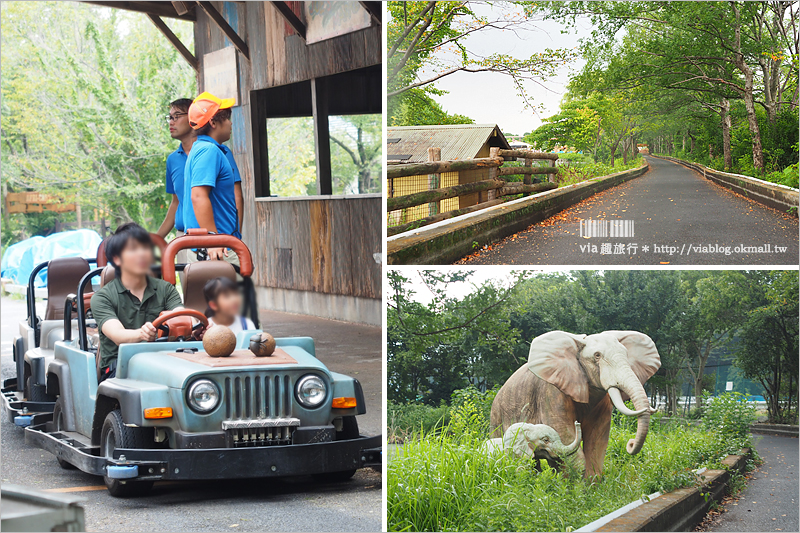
(59, 425)
(349, 431)
(115, 434)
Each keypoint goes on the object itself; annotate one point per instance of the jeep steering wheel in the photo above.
(161, 323)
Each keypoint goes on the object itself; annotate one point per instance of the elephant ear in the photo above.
(642, 353)
(554, 358)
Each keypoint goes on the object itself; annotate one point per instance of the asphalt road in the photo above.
(296, 504)
(770, 501)
(674, 209)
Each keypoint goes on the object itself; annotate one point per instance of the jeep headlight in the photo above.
(310, 391)
(203, 396)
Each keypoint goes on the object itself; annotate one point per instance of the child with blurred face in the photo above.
(224, 302)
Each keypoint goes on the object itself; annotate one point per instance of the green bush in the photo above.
(570, 175)
(446, 482)
(788, 176)
(728, 414)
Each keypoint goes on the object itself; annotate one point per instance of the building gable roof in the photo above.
(409, 144)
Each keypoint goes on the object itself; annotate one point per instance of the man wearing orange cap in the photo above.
(212, 195)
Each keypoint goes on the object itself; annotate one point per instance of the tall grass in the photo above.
(444, 481)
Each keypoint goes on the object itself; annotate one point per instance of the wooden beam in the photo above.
(226, 28)
(293, 20)
(322, 136)
(438, 167)
(519, 188)
(180, 7)
(425, 197)
(161, 9)
(259, 134)
(415, 224)
(171, 37)
(374, 9)
(529, 154)
(516, 171)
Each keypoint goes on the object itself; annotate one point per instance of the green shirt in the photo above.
(114, 301)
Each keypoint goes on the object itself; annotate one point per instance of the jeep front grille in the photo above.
(250, 397)
(258, 411)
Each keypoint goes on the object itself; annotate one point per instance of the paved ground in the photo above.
(258, 505)
(674, 209)
(770, 501)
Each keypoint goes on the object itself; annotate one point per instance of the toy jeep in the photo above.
(174, 413)
(25, 398)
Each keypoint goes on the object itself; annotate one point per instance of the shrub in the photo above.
(728, 414)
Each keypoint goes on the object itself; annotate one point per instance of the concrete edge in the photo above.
(682, 509)
(13, 288)
(775, 429)
(774, 195)
(332, 306)
(450, 240)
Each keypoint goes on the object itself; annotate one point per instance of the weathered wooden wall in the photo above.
(321, 244)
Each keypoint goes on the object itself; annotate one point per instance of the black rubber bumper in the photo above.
(15, 406)
(220, 463)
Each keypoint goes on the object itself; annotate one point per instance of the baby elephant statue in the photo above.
(538, 441)
(581, 378)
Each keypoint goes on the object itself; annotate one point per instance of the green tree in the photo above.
(356, 155)
(768, 344)
(717, 48)
(85, 92)
(427, 41)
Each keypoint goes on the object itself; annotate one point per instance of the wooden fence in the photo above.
(499, 189)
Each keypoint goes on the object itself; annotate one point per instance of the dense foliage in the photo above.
(713, 82)
(427, 41)
(85, 92)
(445, 481)
(710, 327)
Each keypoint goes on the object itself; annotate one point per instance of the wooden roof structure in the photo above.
(409, 144)
(188, 11)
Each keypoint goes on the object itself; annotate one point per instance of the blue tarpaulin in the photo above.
(20, 259)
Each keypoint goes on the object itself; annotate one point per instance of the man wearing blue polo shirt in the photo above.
(180, 130)
(212, 195)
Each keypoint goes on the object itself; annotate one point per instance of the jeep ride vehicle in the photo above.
(25, 399)
(172, 412)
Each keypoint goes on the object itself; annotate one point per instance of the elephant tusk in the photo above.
(616, 399)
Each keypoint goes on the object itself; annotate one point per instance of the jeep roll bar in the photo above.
(83, 341)
(200, 238)
(30, 297)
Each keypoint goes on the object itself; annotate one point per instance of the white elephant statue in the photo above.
(538, 441)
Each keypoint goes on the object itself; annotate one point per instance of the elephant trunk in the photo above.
(631, 386)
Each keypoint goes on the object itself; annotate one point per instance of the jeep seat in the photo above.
(196, 275)
(63, 276)
(107, 275)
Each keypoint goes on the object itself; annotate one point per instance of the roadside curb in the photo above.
(772, 195)
(682, 509)
(784, 430)
(450, 240)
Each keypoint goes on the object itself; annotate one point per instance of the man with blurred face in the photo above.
(126, 307)
(212, 186)
(180, 130)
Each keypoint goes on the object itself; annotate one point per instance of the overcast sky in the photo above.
(491, 98)
(501, 274)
